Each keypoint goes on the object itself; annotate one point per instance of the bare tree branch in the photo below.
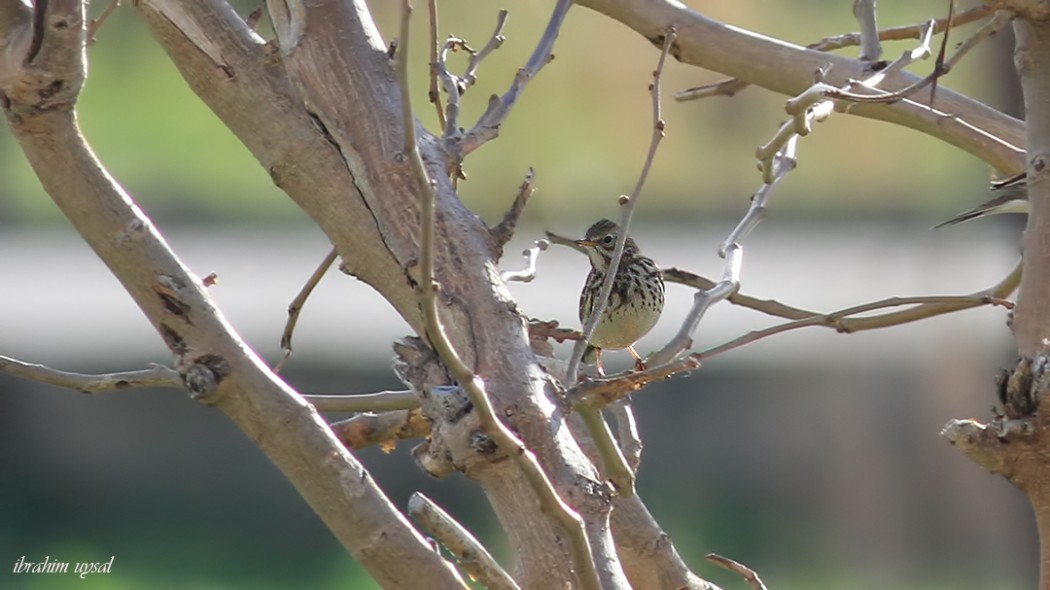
(649, 556)
(814, 104)
(154, 376)
(469, 552)
(529, 272)
(494, 43)
(732, 251)
(943, 67)
(488, 126)
(502, 233)
(749, 575)
(627, 433)
(456, 86)
(766, 306)
(904, 32)
(296, 306)
(936, 305)
(966, 123)
(382, 401)
(870, 47)
(432, 94)
(97, 23)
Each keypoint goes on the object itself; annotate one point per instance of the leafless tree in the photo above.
(321, 106)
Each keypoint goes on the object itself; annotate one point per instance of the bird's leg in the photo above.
(601, 370)
(639, 364)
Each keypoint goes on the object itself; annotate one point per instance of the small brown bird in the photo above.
(637, 296)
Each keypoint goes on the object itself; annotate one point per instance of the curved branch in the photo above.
(788, 69)
(839, 320)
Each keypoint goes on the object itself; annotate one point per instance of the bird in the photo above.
(1011, 196)
(637, 297)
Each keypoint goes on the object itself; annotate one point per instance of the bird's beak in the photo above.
(586, 243)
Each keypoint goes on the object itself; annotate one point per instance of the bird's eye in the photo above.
(608, 240)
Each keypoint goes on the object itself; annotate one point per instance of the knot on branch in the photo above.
(1020, 390)
(455, 427)
(999, 445)
(204, 375)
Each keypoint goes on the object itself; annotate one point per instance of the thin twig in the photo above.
(627, 206)
(470, 554)
(504, 231)
(529, 272)
(987, 30)
(904, 32)
(627, 433)
(296, 306)
(748, 574)
(488, 126)
(938, 67)
(455, 86)
(732, 251)
(432, 95)
(383, 429)
(551, 503)
(154, 376)
(784, 162)
(97, 23)
(494, 43)
(766, 306)
(834, 320)
(942, 67)
(381, 401)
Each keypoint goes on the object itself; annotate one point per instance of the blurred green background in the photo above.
(812, 457)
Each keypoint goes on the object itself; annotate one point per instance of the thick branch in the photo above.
(470, 554)
(1032, 319)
